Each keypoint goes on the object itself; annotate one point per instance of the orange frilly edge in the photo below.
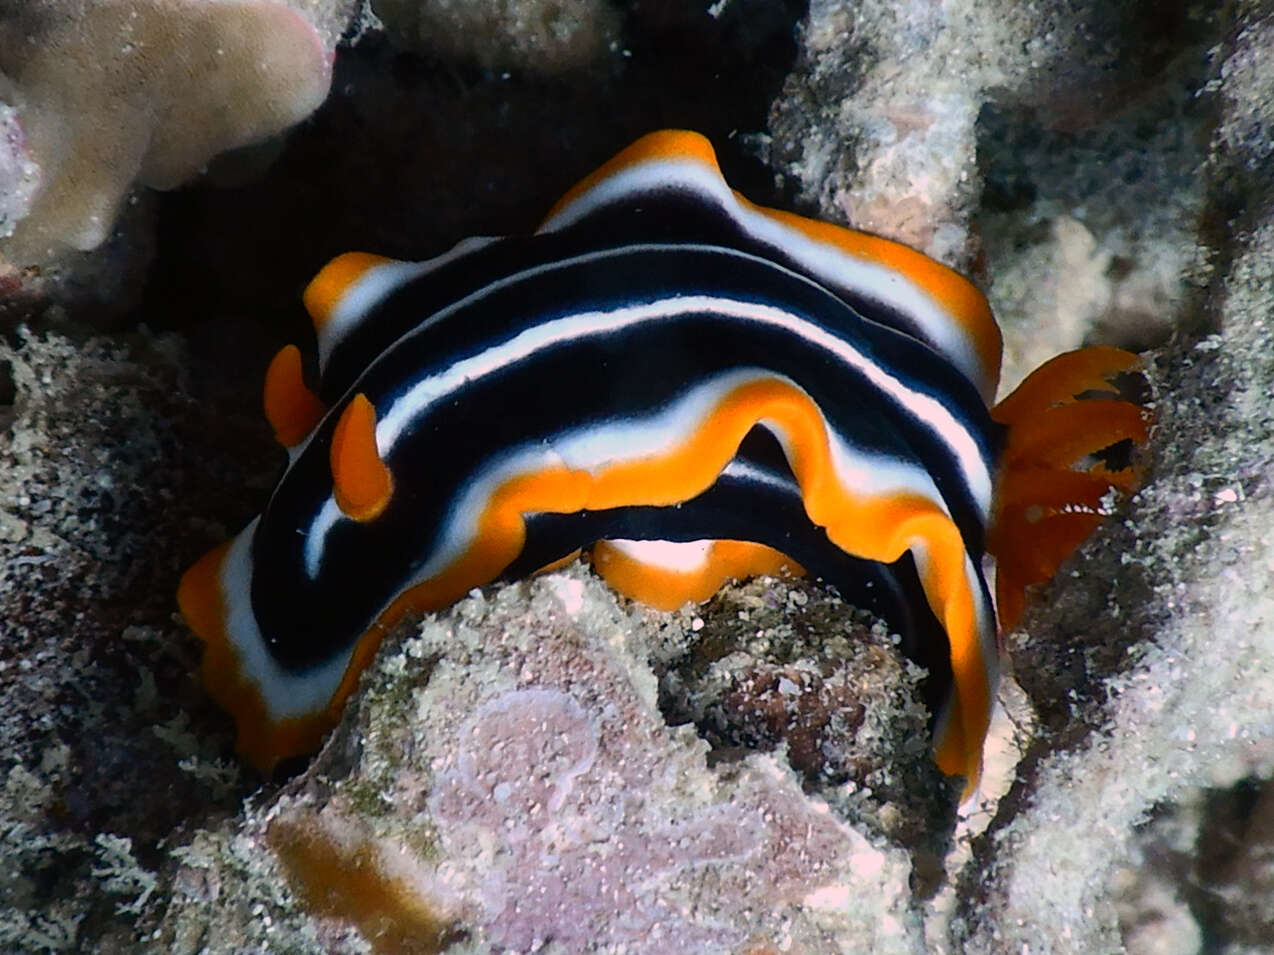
(261, 740)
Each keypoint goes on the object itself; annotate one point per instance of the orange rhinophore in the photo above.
(361, 484)
(290, 407)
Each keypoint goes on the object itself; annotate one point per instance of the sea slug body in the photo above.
(696, 388)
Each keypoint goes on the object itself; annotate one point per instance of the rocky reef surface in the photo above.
(543, 768)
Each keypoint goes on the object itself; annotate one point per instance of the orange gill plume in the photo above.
(1051, 487)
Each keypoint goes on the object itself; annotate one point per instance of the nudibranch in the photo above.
(692, 386)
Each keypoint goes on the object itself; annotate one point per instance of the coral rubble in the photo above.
(520, 776)
(543, 36)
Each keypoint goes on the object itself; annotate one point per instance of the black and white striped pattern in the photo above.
(616, 335)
